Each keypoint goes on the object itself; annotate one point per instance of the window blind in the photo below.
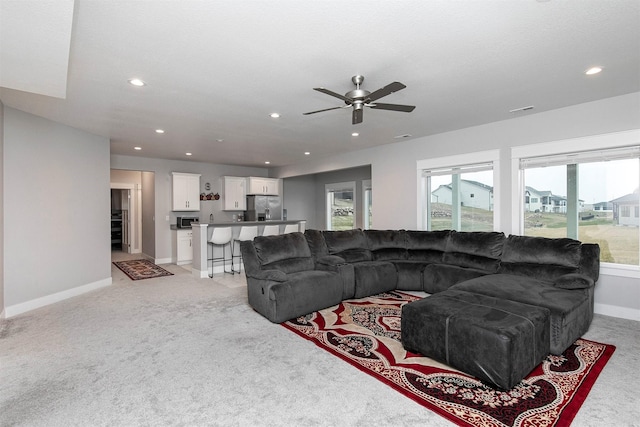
(581, 157)
(477, 167)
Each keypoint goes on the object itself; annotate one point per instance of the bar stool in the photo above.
(247, 232)
(221, 236)
(291, 228)
(271, 230)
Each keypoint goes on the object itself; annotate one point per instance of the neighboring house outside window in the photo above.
(586, 190)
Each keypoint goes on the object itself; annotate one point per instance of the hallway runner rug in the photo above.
(366, 333)
(139, 269)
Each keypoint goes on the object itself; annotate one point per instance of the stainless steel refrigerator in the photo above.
(263, 207)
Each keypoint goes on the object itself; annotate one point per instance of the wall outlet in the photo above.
(166, 218)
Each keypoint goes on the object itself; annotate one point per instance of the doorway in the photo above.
(122, 212)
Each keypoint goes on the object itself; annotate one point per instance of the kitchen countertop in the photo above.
(236, 223)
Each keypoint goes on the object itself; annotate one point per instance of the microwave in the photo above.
(185, 221)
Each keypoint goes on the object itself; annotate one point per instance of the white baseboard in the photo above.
(616, 311)
(162, 260)
(23, 307)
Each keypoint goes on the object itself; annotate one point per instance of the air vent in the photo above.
(517, 110)
(406, 135)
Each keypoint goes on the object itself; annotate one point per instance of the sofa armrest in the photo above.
(329, 262)
(573, 281)
(336, 264)
(273, 275)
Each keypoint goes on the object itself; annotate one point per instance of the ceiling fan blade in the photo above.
(356, 116)
(387, 90)
(392, 107)
(326, 109)
(337, 95)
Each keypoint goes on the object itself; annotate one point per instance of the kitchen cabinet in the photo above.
(184, 246)
(185, 191)
(235, 193)
(263, 186)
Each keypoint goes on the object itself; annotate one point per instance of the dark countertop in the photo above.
(240, 223)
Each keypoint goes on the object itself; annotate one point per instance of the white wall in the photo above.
(56, 194)
(395, 184)
(211, 173)
(148, 214)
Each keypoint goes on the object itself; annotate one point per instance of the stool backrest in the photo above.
(247, 232)
(291, 228)
(271, 230)
(221, 235)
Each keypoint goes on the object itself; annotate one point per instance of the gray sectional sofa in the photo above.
(295, 274)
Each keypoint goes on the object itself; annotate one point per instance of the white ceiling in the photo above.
(215, 70)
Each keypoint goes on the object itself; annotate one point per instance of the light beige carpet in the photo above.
(180, 351)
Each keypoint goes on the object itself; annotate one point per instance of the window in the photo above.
(340, 205)
(366, 204)
(587, 195)
(456, 195)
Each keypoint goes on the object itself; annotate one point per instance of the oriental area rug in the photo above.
(139, 269)
(366, 333)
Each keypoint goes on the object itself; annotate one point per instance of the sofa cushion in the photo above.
(286, 252)
(374, 277)
(426, 246)
(348, 244)
(540, 257)
(571, 309)
(387, 245)
(475, 249)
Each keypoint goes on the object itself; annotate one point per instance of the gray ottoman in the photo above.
(495, 340)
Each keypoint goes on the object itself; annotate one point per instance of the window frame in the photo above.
(559, 147)
(367, 192)
(335, 187)
(488, 156)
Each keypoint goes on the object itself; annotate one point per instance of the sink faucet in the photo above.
(211, 218)
(267, 215)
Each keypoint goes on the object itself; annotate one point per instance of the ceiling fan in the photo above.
(360, 98)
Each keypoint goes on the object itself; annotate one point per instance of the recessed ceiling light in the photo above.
(137, 148)
(274, 115)
(188, 154)
(267, 162)
(306, 153)
(593, 70)
(220, 140)
(159, 130)
(137, 82)
(355, 134)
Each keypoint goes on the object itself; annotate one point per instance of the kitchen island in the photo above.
(202, 233)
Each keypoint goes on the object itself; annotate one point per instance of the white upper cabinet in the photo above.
(185, 191)
(235, 193)
(263, 186)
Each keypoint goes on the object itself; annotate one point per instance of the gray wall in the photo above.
(58, 207)
(395, 184)
(304, 196)
(211, 173)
